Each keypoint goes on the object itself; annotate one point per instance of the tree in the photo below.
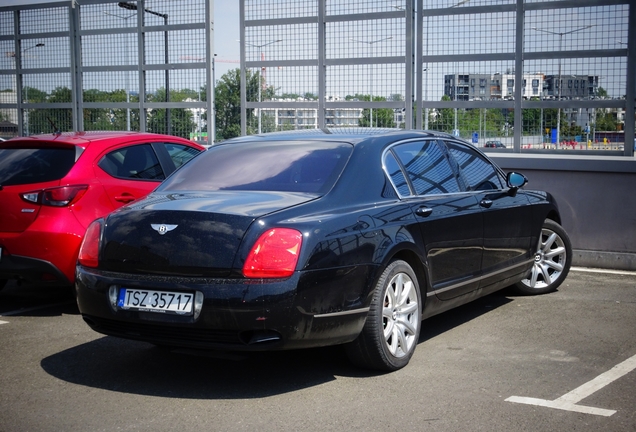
(227, 101)
(442, 119)
(382, 117)
(181, 119)
(50, 119)
(228, 104)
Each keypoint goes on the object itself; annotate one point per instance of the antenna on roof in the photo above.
(56, 130)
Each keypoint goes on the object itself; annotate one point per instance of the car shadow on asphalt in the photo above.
(33, 300)
(438, 324)
(139, 368)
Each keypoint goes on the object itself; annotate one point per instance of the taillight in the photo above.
(274, 255)
(89, 250)
(57, 196)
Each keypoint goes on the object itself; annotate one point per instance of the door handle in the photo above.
(424, 211)
(485, 203)
(125, 198)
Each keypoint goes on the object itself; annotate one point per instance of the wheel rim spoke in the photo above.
(408, 308)
(535, 275)
(547, 246)
(546, 274)
(554, 265)
(407, 325)
(401, 337)
(555, 252)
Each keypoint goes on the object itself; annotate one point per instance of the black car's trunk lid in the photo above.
(196, 235)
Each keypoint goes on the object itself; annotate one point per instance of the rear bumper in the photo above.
(42, 251)
(309, 309)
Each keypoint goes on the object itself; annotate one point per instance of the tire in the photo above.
(3, 282)
(390, 335)
(552, 261)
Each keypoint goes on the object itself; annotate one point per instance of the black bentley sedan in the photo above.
(312, 238)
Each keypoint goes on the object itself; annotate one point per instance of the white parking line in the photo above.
(606, 271)
(4, 322)
(568, 401)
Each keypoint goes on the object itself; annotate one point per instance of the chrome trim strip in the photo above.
(349, 312)
(482, 277)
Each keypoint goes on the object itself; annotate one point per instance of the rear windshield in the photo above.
(26, 166)
(311, 167)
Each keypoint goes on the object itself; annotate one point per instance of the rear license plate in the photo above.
(156, 301)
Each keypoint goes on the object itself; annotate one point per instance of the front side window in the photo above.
(427, 167)
(138, 162)
(479, 174)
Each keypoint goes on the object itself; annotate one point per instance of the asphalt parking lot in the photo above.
(558, 362)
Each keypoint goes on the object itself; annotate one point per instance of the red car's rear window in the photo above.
(35, 165)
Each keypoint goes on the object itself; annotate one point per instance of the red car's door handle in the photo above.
(125, 198)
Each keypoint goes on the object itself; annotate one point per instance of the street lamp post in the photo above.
(261, 82)
(125, 18)
(131, 6)
(370, 45)
(26, 89)
(560, 84)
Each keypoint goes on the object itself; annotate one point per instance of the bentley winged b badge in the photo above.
(163, 228)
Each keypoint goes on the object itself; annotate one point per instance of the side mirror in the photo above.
(516, 180)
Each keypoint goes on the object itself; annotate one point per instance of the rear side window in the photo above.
(427, 167)
(311, 167)
(479, 173)
(397, 176)
(137, 162)
(26, 166)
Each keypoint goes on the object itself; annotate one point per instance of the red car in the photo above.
(53, 186)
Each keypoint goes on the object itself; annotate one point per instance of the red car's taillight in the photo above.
(89, 250)
(57, 196)
(274, 255)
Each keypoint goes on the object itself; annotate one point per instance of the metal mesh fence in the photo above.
(531, 75)
(324, 63)
(136, 65)
(565, 86)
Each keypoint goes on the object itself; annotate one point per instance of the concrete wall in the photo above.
(597, 200)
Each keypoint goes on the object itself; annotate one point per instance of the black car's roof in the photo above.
(348, 134)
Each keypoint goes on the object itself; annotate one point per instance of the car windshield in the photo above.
(34, 165)
(310, 167)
